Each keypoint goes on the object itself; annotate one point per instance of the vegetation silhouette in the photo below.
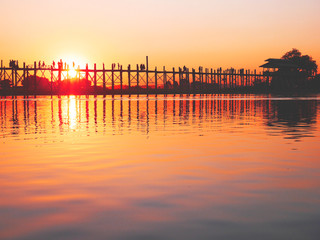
(39, 83)
(305, 63)
(295, 72)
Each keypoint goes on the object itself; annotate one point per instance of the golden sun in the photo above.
(72, 72)
(72, 63)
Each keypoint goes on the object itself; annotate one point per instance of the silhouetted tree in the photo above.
(41, 83)
(305, 63)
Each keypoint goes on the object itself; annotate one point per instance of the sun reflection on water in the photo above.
(73, 112)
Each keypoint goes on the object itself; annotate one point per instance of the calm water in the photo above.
(176, 167)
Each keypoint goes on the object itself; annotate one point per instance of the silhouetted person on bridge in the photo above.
(60, 64)
(142, 67)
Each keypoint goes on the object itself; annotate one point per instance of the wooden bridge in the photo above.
(39, 78)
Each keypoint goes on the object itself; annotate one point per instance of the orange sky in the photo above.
(229, 33)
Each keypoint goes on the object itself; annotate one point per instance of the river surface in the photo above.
(160, 167)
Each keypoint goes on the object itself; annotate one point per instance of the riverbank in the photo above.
(23, 92)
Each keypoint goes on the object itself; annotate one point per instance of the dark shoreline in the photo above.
(277, 94)
(168, 92)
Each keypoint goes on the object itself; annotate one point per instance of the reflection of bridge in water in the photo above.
(42, 79)
(154, 114)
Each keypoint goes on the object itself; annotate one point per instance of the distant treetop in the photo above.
(304, 62)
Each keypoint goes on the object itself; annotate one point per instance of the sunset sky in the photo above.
(210, 33)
